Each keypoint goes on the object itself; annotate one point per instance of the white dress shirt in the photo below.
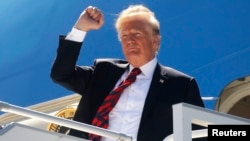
(126, 115)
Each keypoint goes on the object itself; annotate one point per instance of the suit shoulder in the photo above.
(110, 61)
(175, 73)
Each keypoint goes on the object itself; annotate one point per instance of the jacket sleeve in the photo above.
(64, 70)
(193, 94)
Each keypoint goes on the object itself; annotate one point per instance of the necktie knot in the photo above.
(136, 71)
(132, 76)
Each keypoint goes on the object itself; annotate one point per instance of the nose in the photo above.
(130, 38)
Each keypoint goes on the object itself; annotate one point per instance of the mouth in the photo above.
(132, 47)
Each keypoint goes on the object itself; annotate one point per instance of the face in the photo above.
(139, 44)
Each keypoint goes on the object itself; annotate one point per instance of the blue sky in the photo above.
(208, 39)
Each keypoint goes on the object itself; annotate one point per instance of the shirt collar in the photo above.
(147, 69)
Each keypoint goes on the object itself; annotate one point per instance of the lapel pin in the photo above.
(161, 81)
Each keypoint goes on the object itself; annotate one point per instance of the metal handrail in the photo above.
(5, 107)
(195, 134)
(185, 115)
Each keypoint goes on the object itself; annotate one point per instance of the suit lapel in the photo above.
(159, 78)
(116, 74)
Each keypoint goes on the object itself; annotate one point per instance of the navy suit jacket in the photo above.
(168, 87)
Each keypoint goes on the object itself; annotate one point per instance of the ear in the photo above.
(156, 41)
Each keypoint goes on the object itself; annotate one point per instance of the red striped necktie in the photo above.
(101, 118)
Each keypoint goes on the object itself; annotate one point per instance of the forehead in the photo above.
(137, 22)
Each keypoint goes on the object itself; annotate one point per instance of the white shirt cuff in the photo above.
(76, 35)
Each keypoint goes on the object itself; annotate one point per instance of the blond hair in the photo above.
(138, 10)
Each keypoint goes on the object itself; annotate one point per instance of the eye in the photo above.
(137, 34)
(124, 36)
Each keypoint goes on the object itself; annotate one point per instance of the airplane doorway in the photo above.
(235, 98)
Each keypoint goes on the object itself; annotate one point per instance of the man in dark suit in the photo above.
(144, 110)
